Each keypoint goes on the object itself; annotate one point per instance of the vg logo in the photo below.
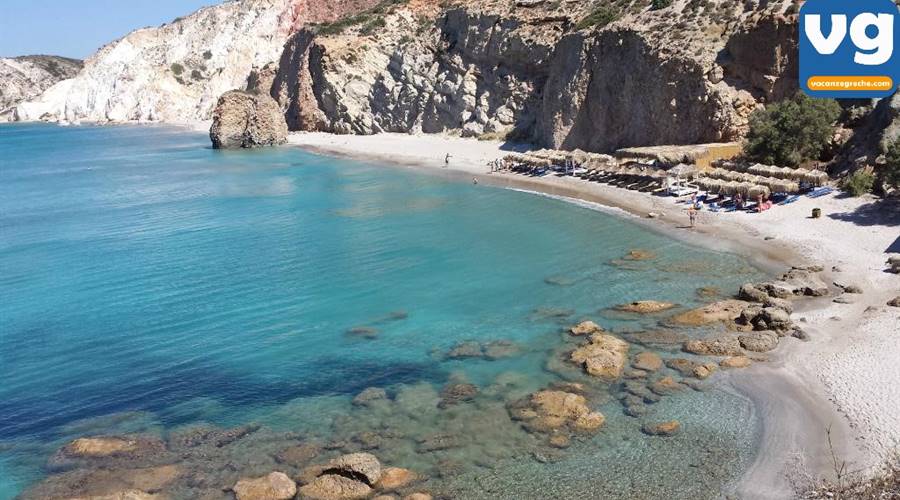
(849, 48)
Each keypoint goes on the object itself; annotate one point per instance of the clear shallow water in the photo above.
(150, 284)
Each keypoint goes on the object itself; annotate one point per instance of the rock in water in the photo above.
(662, 429)
(275, 486)
(245, 120)
(602, 356)
(645, 307)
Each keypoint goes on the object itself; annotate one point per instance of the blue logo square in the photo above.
(848, 48)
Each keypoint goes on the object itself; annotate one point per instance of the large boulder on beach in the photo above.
(895, 302)
(603, 356)
(275, 486)
(347, 477)
(247, 120)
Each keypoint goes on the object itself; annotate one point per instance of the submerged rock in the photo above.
(728, 346)
(103, 483)
(455, 394)
(725, 311)
(99, 447)
(602, 356)
(369, 396)
(275, 486)
(666, 386)
(299, 455)
(736, 362)
(647, 361)
(245, 120)
(645, 307)
(662, 429)
(394, 478)
(639, 254)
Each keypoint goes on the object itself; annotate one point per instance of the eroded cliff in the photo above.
(26, 77)
(176, 72)
(556, 73)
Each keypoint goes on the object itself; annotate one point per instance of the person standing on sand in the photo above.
(692, 215)
(447, 160)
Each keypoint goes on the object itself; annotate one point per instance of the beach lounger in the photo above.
(790, 199)
(818, 193)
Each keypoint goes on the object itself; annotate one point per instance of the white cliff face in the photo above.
(176, 73)
(26, 77)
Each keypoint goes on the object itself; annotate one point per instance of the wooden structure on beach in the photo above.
(701, 155)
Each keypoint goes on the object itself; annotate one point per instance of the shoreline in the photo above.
(799, 392)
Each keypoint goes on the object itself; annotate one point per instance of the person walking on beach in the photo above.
(447, 160)
(692, 215)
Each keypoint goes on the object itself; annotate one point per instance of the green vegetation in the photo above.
(860, 183)
(892, 166)
(369, 20)
(196, 75)
(660, 4)
(177, 69)
(599, 18)
(207, 55)
(791, 132)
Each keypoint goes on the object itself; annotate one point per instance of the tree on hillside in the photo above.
(792, 131)
(891, 169)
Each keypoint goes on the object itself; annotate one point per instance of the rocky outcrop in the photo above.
(498, 69)
(176, 72)
(645, 307)
(24, 78)
(603, 356)
(245, 120)
(553, 411)
(347, 477)
(585, 328)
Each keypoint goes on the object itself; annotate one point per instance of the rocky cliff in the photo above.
(26, 77)
(176, 72)
(593, 75)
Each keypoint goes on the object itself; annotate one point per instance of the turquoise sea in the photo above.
(151, 285)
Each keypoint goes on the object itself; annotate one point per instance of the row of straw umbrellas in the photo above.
(730, 178)
(814, 177)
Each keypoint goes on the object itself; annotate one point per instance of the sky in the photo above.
(77, 28)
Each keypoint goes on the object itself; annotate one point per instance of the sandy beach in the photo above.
(844, 377)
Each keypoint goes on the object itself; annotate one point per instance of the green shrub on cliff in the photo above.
(792, 131)
(599, 18)
(892, 166)
(660, 4)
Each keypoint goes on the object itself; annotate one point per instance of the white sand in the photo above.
(847, 376)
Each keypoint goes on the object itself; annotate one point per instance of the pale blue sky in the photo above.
(77, 28)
